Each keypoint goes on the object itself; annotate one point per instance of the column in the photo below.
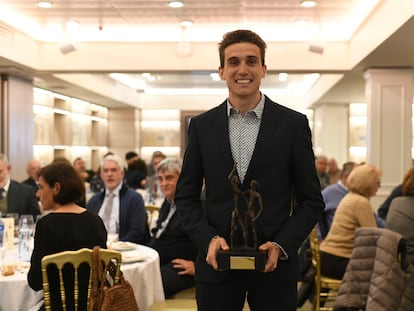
(17, 122)
(389, 98)
(331, 131)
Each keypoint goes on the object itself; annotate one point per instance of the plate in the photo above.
(132, 258)
(22, 266)
(123, 246)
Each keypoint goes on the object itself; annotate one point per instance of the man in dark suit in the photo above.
(33, 169)
(265, 142)
(121, 208)
(177, 251)
(15, 197)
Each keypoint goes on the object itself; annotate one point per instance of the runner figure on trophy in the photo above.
(250, 215)
(248, 206)
(235, 215)
(247, 222)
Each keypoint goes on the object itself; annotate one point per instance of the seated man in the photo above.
(15, 197)
(121, 208)
(32, 169)
(177, 251)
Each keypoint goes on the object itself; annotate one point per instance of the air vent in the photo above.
(6, 32)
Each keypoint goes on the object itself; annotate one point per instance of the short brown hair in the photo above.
(239, 36)
(408, 182)
(72, 188)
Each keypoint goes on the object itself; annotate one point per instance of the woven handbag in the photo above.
(105, 295)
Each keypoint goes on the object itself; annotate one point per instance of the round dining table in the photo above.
(140, 267)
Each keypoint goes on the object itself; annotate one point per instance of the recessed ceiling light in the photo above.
(186, 23)
(72, 24)
(302, 22)
(308, 4)
(175, 4)
(45, 4)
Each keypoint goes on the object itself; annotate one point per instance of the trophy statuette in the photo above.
(243, 253)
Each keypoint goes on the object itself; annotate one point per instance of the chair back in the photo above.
(75, 259)
(326, 289)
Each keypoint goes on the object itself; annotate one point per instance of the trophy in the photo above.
(243, 253)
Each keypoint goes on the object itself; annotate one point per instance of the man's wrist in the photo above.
(283, 254)
(214, 237)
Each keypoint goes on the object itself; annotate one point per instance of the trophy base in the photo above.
(241, 260)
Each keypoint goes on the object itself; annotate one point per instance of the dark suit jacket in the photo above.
(133, 226)
(21, 199)
(283, 164)
(174, 242)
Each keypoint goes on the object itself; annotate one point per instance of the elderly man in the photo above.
(121, 208)
(15, 197)
(32, 169)
(177, 251)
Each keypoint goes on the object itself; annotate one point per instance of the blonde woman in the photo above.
(353, 211)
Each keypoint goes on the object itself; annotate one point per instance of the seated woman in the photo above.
(353, 211)
(400, 217)
(66, 226)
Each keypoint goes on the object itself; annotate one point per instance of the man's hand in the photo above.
(215, 245)
(186, 267)
(273, 253)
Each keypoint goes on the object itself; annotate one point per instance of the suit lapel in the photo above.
(222, 139)
(266, 131)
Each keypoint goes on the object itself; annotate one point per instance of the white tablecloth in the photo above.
(144, 276)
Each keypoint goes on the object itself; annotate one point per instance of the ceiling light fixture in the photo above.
(71, 24)
(186, 23)
(45, 4)
(175, 4)
(307, 4)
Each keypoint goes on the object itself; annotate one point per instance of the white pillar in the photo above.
(389, 98)
(17, 125)
(331, 131)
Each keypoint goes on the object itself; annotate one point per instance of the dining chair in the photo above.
(76, 260)
(152, 213)
(326, 289)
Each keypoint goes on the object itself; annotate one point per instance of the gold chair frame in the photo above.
(75, 258)
(326, 289)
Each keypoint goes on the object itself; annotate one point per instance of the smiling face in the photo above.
(243, 72)
(168, 183)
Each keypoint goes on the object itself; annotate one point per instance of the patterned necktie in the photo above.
(106, 217)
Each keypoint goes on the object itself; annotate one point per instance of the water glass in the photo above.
(29, 221)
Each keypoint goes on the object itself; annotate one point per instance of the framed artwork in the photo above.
(185, 123)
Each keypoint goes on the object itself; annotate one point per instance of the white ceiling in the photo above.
(118, 22)
(144, 20)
